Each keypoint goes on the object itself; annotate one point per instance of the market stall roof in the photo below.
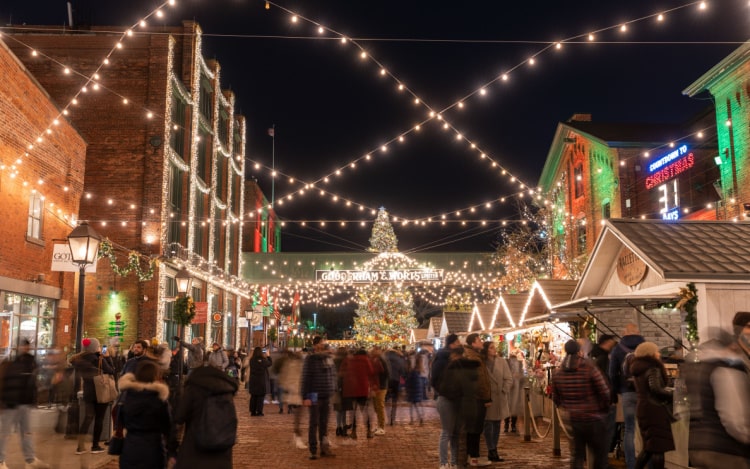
(457, 321)
(511, 307)
(483, 316)
(417, 335)
(544, 294)
(685, 250)
(436, 324)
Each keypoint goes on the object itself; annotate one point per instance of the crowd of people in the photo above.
(165, 422)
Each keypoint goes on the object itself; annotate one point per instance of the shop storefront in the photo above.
(26, 317)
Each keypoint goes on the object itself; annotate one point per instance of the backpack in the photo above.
(218, 420)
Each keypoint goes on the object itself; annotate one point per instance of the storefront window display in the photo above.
(26, 317)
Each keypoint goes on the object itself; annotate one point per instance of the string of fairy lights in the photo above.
(94, 81)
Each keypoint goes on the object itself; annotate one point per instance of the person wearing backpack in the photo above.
(625, 388)
(207, 410)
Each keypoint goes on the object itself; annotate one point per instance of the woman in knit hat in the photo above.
(87, 364)
(653, 408)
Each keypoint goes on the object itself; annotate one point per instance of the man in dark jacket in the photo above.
(600, 355)
(579, 388)
(203, 382)
(718, 383)
(447, 408)
(397, 364)
(625, 388)
(17, 396)
(318, 386)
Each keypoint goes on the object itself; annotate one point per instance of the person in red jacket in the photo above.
(357, 373)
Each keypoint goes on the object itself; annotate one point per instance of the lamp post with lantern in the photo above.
(183, 279)
(83, 242)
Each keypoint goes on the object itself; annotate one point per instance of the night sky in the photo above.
(329, 107)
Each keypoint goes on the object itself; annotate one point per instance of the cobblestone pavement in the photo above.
(267, 442)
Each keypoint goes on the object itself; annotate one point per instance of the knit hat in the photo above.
(739, 322)
(572, 347)
(646, 349)
(90, 344)
(605, 337)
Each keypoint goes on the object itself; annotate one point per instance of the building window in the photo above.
(229, 336)
(581, 237)
(221, 178)
(26, 317)
(206, 97)
(578, 180)
(224, 127)
(203, 166)
(171, 328)
(201, 225)
(36, 211)
(176, 198)
(606, 210)
(179, 123)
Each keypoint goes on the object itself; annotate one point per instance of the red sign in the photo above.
(201, 312)
(671, 171)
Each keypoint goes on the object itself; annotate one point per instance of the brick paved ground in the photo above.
(267, 442)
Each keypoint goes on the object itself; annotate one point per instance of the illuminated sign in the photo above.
(673, 214)
(671, 171)
(378, 276)
(668, 158)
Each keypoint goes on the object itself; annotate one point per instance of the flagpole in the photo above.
(273, 161)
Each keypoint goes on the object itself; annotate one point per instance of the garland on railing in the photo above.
(184, 310)
(106, 249)
(688, 301)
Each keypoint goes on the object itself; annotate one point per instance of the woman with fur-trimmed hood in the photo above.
(146, 418)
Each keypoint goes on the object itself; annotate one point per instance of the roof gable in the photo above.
(544, 294)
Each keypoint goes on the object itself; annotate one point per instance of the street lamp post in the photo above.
(183, 280)
(83, 242)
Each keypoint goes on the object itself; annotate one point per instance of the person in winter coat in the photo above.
(379, 387)
(195, 349)
(398, 372)
(290, 380)
(357, 373)
(447, 407)
(145, 415)
(718, 385)
(18, 394)
(600, 356)
(218, 357)
(653, 408)
(318, 385)
(579, 388)
(475, 427)
(515, 395)
(624, 388)
(87, 364)
(415, 386)
(202, 382)
(259, 363)
(500, 382)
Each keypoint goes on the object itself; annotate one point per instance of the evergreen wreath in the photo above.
(688, 301)
(184, 310)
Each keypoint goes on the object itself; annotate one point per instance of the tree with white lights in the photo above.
(385, 313)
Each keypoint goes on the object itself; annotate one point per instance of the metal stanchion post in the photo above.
(526, 412)
(555, 432)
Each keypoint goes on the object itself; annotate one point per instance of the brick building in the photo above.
(262, 228)
(164, 171)
(41, 181)
(729, 85)
(596, 171)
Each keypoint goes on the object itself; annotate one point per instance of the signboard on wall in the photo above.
(61, 261)
(631, 270)
(379, 276)
(201, 312)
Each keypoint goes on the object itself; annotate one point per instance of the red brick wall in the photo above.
(26, 111)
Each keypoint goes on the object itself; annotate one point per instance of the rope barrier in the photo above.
(533, 423)
(562, 423)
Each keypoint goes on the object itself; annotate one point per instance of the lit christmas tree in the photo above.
(385, 313)
(383, 238)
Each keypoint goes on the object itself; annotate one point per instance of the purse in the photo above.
(106, 391)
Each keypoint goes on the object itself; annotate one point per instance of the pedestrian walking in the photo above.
(654, 406)
(204, 386)
(218, 357)
(447, 406)
(415, 388)
(396, 378)
(290, 380)
(318, 381)
(516, 362)
(718, 385)
(381, 368)
(600, 355)
(87, 365)
(196, 349)
(259, 364)
(146, 417)
(18, 396)
(500, 383)
(475, 425)
(357, 372)
(625, 388)
(580, 390)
